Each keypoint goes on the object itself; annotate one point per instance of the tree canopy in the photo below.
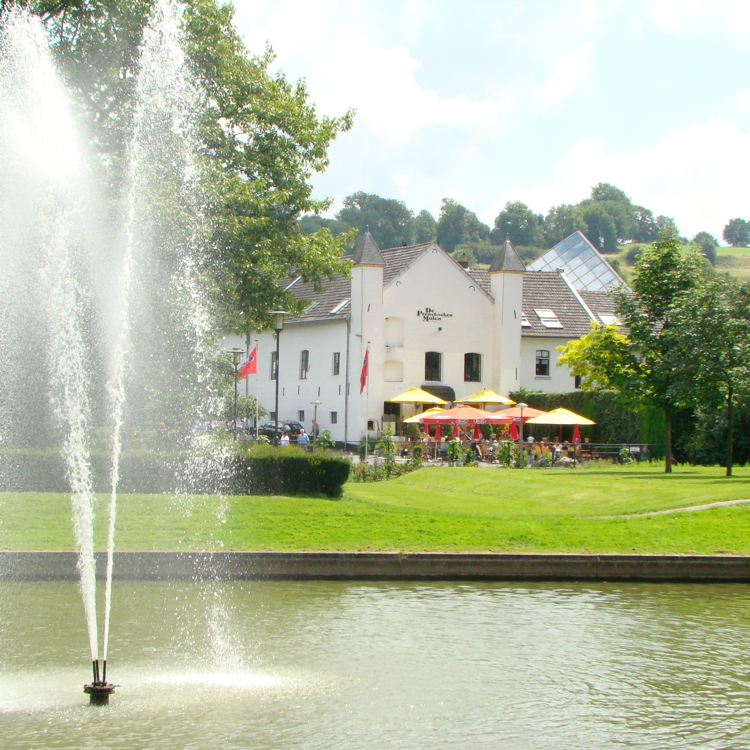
(644, 366)
(260, 141)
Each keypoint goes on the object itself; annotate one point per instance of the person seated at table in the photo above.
(557, 450)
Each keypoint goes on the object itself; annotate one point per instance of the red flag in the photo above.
(365, 370)
(250, 367)
(576, 434)
(513, 431)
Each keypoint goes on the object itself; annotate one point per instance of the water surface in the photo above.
(353, 665)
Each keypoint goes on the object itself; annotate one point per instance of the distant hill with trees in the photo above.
(608, 217)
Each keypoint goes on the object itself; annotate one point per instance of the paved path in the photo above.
(678, 510)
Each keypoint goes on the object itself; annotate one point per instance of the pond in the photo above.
(349, 665)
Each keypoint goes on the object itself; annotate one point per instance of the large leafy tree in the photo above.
(260, 142)
(712, 336)
(457, 226)
(518, 223)
(425, 227)
(561, 221)
(390, 222)
(737, 232)
(644, 367)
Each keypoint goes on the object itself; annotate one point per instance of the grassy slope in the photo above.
(434, 509)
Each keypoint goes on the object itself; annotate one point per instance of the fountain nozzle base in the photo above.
(99, 692)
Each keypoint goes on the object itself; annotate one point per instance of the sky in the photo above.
(489, 101)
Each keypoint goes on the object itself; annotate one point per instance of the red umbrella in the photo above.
(455, 430)
(504, 414)
(477, 431)
(513, 431)
(427, 431)
(576, 434)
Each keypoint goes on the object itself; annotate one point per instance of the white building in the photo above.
(427, 322)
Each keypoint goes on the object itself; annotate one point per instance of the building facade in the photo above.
(424, 321)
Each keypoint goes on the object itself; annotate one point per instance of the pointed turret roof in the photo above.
(367, 252)
(507, 259)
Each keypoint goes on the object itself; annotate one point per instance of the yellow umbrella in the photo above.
(416, 396)
(485, 397)
(560, 416)
(415, 419)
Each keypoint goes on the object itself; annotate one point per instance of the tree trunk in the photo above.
(730, 431)
(667, 441)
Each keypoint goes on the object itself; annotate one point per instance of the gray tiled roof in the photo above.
(541, 290)
(335, 291)
(398, 259)
(507, 259)
(367, 252)
(548, 290)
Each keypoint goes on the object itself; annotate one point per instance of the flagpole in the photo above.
(257, 375)
(367, 400)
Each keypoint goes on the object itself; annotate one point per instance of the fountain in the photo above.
(101, 287)
(94, 297)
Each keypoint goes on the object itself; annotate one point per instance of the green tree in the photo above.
(560, 222)
(425, 227)
(646, 228)
(260, 140)
(737, 232)
(610, 215)
(518, 223)
(643, 367)
(310, 224)
(390, 222)
(712, 334)
(457, 225)
(602, 229)
(708, 244)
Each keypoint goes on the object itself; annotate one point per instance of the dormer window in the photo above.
(609, 320)
(339, 307)
(548, 318)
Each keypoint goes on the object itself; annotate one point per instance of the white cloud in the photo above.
(381, 84)
(567, 72)
(700, 17)
(696, 175)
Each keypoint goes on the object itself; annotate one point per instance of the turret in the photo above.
(506, 287)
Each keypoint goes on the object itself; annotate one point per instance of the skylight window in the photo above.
(525, 321)
(339, 307)
(548, 318)
(310, 307)
(293, 283)
(609, 320)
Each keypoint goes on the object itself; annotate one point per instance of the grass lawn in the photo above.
(436, 509)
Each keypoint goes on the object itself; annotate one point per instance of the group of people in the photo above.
(303, 439)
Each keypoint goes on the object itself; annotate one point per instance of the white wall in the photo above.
(559, 379)
(296, 393)
(434, 281)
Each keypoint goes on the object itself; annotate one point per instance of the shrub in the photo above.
(262, 469)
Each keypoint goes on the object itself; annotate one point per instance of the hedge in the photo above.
(274, 471)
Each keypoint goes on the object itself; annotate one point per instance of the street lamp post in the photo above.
(236, 355)
(521, 407)
(278, 326)
(315, 404)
